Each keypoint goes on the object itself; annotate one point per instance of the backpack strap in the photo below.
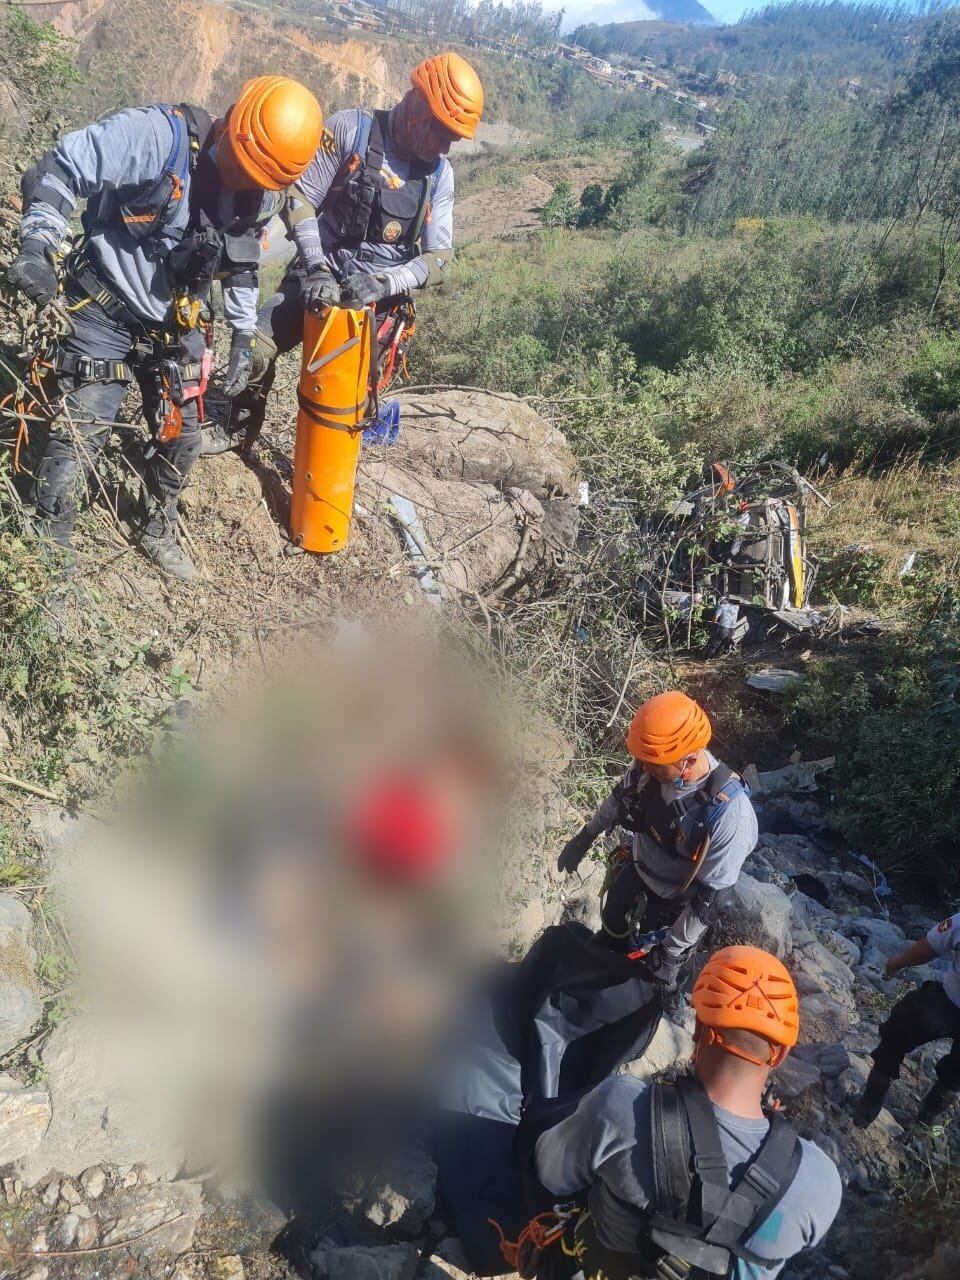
(199, 126)
(428, 188)
(671, 1152)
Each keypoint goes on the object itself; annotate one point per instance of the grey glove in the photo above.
(320, 289)
(240, 366)
(32, 272)
(575, 850)
(362, 290)
(664, 969)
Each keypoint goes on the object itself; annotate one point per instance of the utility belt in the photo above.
(86, 369)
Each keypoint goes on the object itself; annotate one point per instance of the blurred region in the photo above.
(278, 930)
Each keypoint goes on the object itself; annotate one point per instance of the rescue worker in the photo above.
(372, 219)
(930, 1012)
(694, 1174)
(173, 199)
(725, 619)
(693, 827)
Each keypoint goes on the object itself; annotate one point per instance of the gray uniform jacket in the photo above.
(608, 1137)
(733, 837)
(316, 238)
(130, 150)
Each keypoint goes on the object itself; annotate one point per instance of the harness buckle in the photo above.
(709, 1163)
(670, 1267)
(86, 368)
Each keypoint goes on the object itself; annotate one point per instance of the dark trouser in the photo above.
(84, 427)
(629, 897)
(721, 641)
(924, 1015)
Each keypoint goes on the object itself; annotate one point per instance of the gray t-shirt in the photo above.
(608, 1137)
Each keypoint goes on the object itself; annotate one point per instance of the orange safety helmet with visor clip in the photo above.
(746, 989)
(273, 131)
(453, 91)
(668, 727)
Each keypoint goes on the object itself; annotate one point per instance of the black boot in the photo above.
(159, 543)
(936, 1104)
(870, 1103)
(218, 439)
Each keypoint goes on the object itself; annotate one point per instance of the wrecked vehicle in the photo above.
(739, 537)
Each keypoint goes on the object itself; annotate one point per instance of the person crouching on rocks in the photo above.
(694, 1178)
(693, 827)
(931, 1012)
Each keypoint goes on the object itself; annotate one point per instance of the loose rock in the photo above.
(24, 1116)
(93, 1181)
(166, 1217)
(19, 993)
(671, 1044)
(393, 1262)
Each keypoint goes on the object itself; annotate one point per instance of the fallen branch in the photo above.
(34, 790)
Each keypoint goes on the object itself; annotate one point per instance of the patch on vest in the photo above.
(945, 925)
(328, 143)
(392, 231)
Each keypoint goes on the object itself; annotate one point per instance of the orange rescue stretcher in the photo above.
(349, 357)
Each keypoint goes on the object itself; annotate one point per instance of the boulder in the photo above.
(883, 935)
(760, 868)
(470, 534)
(794, 1076)
(789, 853)
(390, 1262)
(671, 1046)
(823, 1019)
(757, 914)
(405, 1197)
(24, 1116)
(95, 1119)
(825, 972)
(485, 437)
(165, 1217)
(19, 993)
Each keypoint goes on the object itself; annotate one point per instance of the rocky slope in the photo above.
(203, 51)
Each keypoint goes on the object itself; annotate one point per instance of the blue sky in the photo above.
(626, 10)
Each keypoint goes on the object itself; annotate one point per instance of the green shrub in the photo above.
(895, 729)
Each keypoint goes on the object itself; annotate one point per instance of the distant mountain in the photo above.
(628, 13)
(823, 39)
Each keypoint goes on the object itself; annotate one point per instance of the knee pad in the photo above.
(264, 354)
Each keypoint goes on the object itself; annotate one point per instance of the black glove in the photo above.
(362, 290)
(33, 273)
(575, 850)
(664, 969)
(320, 289)
(240, 368)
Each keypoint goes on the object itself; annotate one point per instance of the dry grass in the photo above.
(912, 506)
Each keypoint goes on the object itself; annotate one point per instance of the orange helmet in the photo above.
(667, 728)
(747, 989)
(274, 130)
(453, 90)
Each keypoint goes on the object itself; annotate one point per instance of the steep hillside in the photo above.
(206, 50)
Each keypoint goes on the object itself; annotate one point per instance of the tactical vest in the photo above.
(363, 205)
(149, 211)
(696, 1225)
(682, 826)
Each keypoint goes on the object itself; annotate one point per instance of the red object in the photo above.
(398, 831)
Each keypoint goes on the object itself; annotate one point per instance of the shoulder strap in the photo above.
(428, 187)
(178, 161)
(199, 125)
(670, 1135)
(769, 1176)
(373, 151)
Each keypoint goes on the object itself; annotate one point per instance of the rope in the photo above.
(539, 1234)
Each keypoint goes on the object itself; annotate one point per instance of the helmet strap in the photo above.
(777, 1051)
